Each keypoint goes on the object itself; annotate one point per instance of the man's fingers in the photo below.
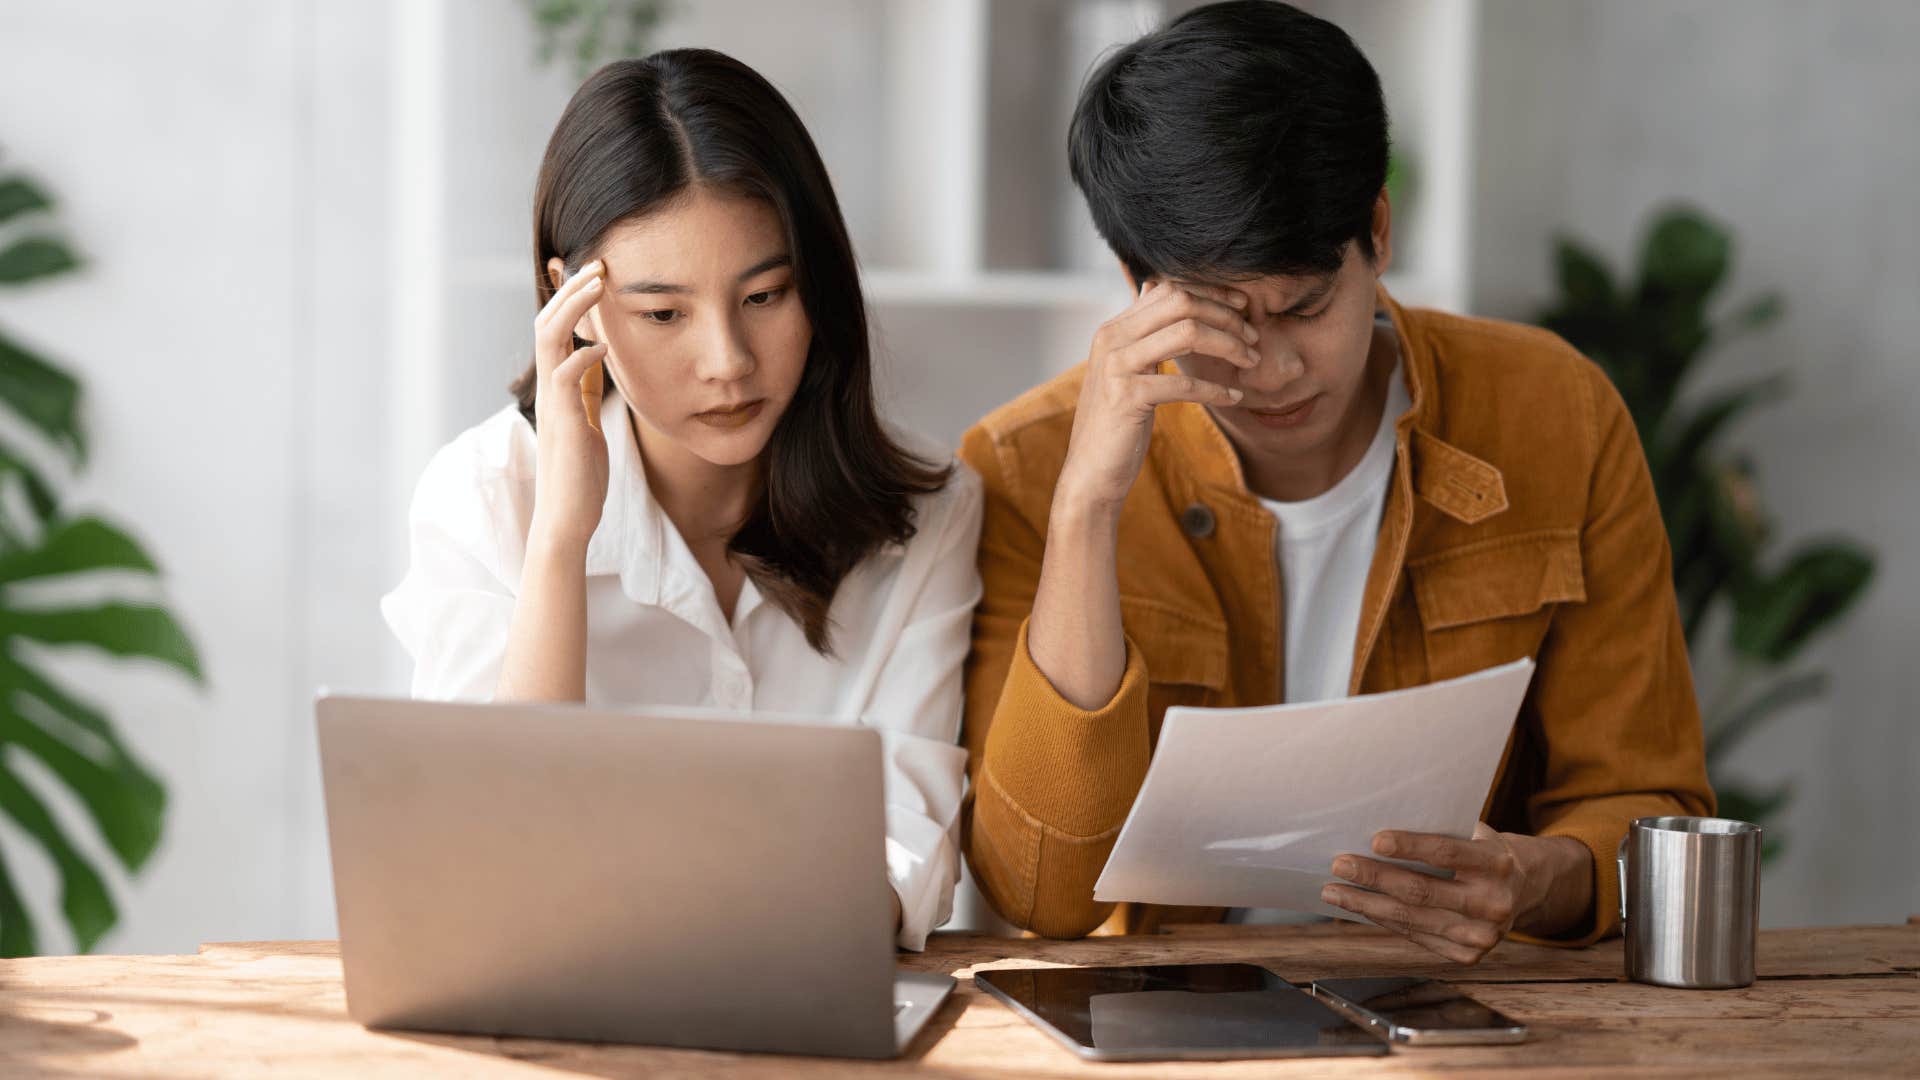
(1416, 888)
(1182, 338)
(1409, 920)
(1177, 321)
(1152, 390)
(1436, 850)
(1451, 950)
(1161, 289)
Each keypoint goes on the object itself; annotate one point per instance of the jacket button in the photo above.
(1197, 520)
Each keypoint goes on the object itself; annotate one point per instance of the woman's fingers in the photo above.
(579, 378)
(1152, 390)
(553, 327)
(571, 371)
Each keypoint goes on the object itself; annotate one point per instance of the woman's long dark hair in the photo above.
(638, 133)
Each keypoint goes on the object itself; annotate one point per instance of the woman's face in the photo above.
(706, 336)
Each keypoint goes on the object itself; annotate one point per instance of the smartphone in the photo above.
(1422, 1011)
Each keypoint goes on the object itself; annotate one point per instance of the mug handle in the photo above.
(1620, 859)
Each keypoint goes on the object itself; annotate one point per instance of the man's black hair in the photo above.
(1244, 139)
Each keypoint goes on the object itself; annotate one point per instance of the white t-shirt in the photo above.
(656, 634)
(1325, 550)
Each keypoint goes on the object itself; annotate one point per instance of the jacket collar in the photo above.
(1452, 480)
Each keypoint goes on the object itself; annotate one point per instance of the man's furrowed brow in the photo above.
(1315, 292)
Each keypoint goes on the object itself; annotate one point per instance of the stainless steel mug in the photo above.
(1690, 897)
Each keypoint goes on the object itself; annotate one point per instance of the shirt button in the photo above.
(1197, 520)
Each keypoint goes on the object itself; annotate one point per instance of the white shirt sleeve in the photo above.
(916, 707)
(452, 610)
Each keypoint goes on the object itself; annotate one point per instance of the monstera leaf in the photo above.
(70, 738)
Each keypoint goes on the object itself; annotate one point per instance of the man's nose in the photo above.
(1279, 365)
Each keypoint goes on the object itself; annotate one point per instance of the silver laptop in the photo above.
(669, 877)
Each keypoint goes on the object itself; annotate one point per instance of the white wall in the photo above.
(221, 163)
(1793, 123)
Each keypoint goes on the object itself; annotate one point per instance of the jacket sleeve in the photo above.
(1051, 783)
(1614, 692)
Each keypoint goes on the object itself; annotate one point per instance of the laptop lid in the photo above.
(660, 876)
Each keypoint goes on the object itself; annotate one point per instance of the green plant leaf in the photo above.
(1774, 617)
(44, 396)
(18, 533)
(126, 802)
(83, 895)
(16, 677)
(1758, 312)
(121, 629)
(16, 924)
(1585, 283)
(1723, 734)
(34, 257)
(1742, 802)
(1685, 256)
(77, 546)
(40, 494)
(18, 195)
(1696, 431)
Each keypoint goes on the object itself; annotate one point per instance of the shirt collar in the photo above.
(631, 538)
(636, 541)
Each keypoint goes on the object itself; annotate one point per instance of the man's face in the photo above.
(1316, 333)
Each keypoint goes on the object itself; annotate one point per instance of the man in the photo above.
(1269, 482)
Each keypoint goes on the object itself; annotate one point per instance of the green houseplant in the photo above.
(42, 544)
(593, 32)
(1650, 334)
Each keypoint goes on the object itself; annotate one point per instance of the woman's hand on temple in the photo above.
(572, 474)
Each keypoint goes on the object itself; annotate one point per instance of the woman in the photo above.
(694, 501)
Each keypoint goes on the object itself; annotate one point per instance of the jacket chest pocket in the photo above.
(1490, 602)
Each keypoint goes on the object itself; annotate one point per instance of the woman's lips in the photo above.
(1288, 416)
(737, 416)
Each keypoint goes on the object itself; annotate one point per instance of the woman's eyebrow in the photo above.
(764, 265)
(761, 267)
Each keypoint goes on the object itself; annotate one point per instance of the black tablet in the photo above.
(1177, 1011)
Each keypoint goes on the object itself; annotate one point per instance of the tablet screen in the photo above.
(1178, 1011)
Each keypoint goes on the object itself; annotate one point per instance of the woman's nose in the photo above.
(727, 355)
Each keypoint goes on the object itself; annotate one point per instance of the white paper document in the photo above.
(1249, 807)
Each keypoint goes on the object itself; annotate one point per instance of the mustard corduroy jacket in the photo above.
(1520, 521)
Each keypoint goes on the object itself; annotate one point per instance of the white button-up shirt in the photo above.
(656, 635)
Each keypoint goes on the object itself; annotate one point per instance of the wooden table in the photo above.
(1843, 1000)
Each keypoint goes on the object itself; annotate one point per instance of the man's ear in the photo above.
(1382, 231)
(1134, 285)
(556, 277)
